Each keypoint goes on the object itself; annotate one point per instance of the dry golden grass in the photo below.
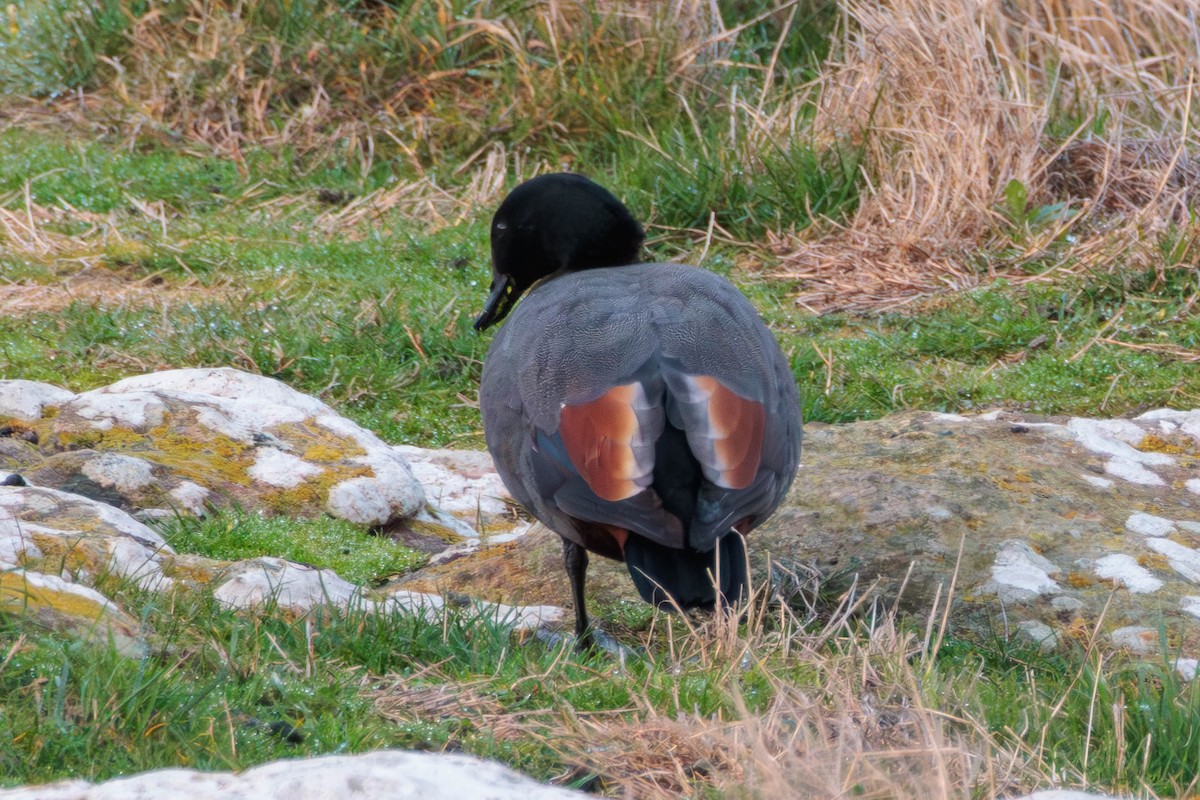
(423, 74)
(103, 288)
(949, 102)
(866, 724)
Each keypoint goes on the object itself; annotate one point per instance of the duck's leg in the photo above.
(576, 560)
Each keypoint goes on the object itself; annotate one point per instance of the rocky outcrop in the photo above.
(1043, 528)
(59, 550)
(390, 774)
(182, 440)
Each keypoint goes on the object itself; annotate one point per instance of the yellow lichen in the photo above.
(332, 446)
(1080, 580)
(17, 593)
(313, 491)
(323, 453)
(193, 569)
(1154, 561)
(201, 460)
(442, 532)
(1078, 629)
(1153, 443)
(63, 553)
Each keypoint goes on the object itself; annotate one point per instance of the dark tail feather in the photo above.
(665, 576)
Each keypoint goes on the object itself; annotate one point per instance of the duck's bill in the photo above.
(499, 303)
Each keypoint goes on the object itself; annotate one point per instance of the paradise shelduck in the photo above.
(641, 411)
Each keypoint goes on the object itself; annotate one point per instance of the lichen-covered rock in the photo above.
(183, 439)
(381, 775)
(1038, 523)
(55, 546)
(65, 606)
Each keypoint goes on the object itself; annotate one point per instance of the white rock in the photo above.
(131, 559)
(1193, 485)
(1188, 421)
(381, 775)
(222, 382)
(1132, 470)
(1148, 524)
(244, 407)
(1188, 668)
(27, 400)
(390, 493)
(1039, 633)
(1112, 437)
(1132, 575)
(23, 501)
(277, 468)
(1136, 638)
(292, 587)
(191, 497)
(1183, 560)
(1019, 573)
(135, 410)
(1115, 438)
(1190, 605)
(458, 481)
(297, 588)
(53, 583)
(124, 473)
(1097, 481)
(16, 543)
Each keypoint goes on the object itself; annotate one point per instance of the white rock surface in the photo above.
(1149, 524)
(1115, 438)
(297, 589)
(1128, 572)
(463, 482)
(191, 497)
(28, 400)
(1184, 560)
(1136, 638)
(277, 468)
(248, 409)
(124, 473)
(1019, 573)
(381, 775)
(1191, 605)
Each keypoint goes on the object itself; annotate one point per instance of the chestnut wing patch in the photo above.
(725, 431)
(610, 441)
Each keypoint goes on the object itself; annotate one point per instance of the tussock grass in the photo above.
(955, 105)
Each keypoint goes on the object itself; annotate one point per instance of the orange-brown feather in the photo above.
(738, 425)
(598, 437)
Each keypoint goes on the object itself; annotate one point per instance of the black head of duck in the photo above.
(551, 224)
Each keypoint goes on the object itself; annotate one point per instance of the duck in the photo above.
(642, 411)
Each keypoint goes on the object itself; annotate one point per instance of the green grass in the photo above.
(219, 690)
(324, 543)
